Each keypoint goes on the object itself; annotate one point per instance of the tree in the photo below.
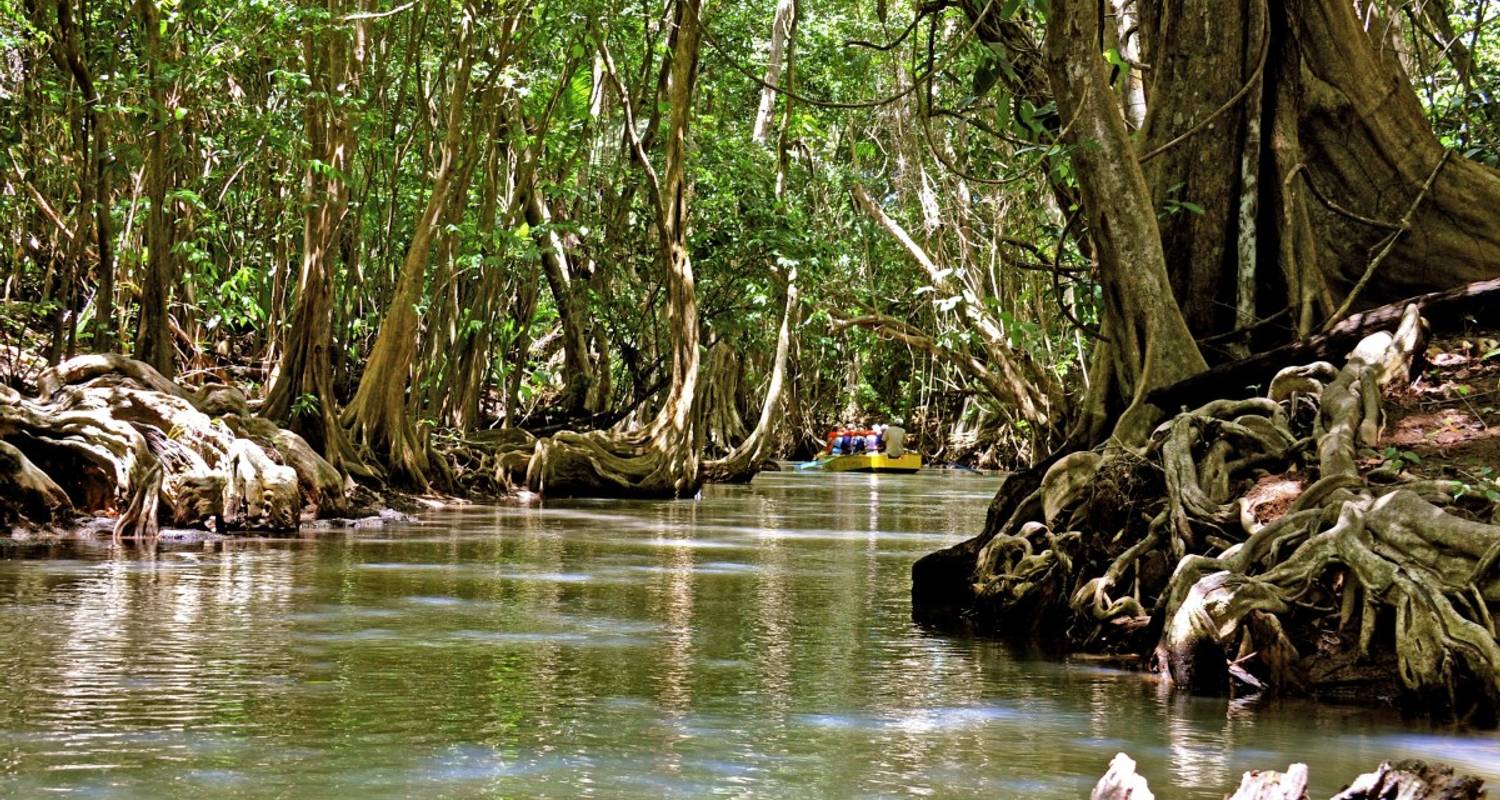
(153, 341)
(1293, 176)
(660, 459)
(334, 59)
(379, 417)
(97, 153)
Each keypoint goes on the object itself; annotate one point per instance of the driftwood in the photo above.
(1407, 780)
(110, 435)
(1122, 782)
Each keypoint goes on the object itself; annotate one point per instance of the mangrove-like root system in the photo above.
(110, 435)
(611, 464)
(1245, 547)
(488, 463)
(1406, 780)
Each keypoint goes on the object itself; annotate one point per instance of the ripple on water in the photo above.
(341, 613)
(928, 720)
(569, 638)
(442, 601)
(465, 763)
(541, 653)
(362, 635)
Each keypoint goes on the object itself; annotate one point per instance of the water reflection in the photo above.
(755, 643)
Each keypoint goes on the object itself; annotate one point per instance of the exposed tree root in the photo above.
(488, 463)
(111, 435)
(745, 459)
(609, 464)
(1406, 780)
(1158, 551)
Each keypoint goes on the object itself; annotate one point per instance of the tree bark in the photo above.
(557, 267)
(305, 369)
(378, 417)
(95, 134)
(663, 458)
(782, 25)
(1330, 148)
(1149, 343)
(741, 463)
(153, 341)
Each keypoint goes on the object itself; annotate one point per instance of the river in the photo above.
(755, 643)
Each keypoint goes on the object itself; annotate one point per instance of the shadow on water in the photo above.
(754, 643)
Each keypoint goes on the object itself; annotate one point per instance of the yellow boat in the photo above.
(879, 462)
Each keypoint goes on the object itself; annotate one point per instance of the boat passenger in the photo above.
(895, 441)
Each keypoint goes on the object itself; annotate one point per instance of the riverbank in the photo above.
(106, 445)
(1334, 535)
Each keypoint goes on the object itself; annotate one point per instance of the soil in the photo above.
(1446, 424)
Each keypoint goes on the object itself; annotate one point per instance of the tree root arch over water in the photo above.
(1170, 548)
(111, 435)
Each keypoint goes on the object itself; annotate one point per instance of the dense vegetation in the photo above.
(597, 248)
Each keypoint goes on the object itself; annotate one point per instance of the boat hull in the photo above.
(879, 462)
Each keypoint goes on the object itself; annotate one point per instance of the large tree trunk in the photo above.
(457, 401)
(1303, 188)
(1148, 342)
(378, 417)
(153, 341)
(661, 459)
(305, 371)
(1322, 159)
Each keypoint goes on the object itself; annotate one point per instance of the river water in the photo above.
(756, 643)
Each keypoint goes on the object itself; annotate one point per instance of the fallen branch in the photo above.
(1474, 304)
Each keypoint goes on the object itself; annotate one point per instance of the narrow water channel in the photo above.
(756, 643)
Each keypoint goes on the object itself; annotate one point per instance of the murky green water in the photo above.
(754, 644)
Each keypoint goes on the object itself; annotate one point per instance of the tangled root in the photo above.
(1160, 553)
(609, 464)
(111, 435)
